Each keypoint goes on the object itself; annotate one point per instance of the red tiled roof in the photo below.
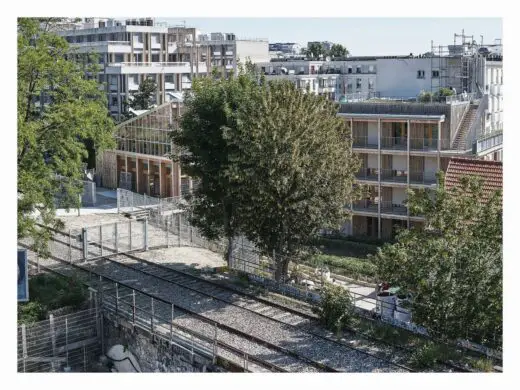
(490, 171)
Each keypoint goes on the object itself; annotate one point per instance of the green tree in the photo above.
(453, 266)
(336, 309)
(143, 98)
(59, 110)
(293, 168)
(338, 51)
(315, 50)
(203, 152)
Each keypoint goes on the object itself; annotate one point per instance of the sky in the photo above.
(361, 36)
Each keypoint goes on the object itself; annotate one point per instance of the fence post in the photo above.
(133, 307)
(85, 244)
(117, 299)
(146, 234)
(67, 340)
(70, 246)
(191, 234)
(101, 239)
(151, 322)
(179, 224)
(116, 240)
(130, 234)
(171, 325)
(167, 235)
(24, 346)
(118, 200)
(53, 338)
(37, 263)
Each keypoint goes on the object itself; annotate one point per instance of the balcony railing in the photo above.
(364, 142)
(365, 205)
(367, 174)
(101, 43)
(158, 64)
(426, 144)
(388, 207)
(394, 175)
(421, 178)
(395, 143)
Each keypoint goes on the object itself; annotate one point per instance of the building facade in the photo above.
(133, 50)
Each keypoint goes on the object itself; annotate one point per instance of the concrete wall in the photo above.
(258, 51)
(154, 356)
(398, 77)
(456, 114)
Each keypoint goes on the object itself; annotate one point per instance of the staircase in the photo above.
(460, 139)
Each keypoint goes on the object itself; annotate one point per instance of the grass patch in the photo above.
(343, 247)
(49, 292)
(347, 266)
(482, 364)
(430, 354)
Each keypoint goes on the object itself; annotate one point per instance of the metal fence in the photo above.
(62, 343)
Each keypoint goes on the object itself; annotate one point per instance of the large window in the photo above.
(358, 83)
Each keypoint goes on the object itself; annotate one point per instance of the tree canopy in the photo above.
(453, 267)
(143, 98)
(59, 110)
(316, 50)
(275, 162)
(338, 51)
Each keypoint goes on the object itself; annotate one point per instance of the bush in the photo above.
(49, 292)
(429, 354)
(335, 309)
(352, 266)
(483, 364)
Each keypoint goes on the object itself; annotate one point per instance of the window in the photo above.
(155, 57)
(370, 84)
(113, 100)
(358, 83)
(119, 58)
(349, 69)
(349, 86)
(371, 69)
(168, 78)
(435, 74)
(358, 69)
(101, 78)
(420, 74)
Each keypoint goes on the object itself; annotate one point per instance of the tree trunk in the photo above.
(282, 268)
(229, 252)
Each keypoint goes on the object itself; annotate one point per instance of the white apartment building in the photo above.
(133, 50)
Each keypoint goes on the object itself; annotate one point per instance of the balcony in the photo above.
(148, 67)
(388, 207)
(366, 205)
(364, 142)
(394, 175)
(422, 178)
(424, 144)
(367, 174)
(394, 143)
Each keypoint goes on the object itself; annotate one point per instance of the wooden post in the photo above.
(85, 244)
(24, 346)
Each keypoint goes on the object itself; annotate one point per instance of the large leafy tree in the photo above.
(294, 169)
(316, 50)
(59, 110)
(338, 51)
(453, 267)
(210, 109)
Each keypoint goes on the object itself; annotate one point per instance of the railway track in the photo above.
(233, 344)
(269, 315)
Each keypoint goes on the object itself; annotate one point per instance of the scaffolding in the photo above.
(439, 67)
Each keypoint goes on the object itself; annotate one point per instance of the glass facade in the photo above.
(148, 134)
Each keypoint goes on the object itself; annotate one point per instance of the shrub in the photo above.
(335, 309)
(483, 364)
(31, 312)
(429, 354)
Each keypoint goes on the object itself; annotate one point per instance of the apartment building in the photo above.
(133, 50)
(402, 145)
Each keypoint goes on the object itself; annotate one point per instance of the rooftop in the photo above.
(490, 171)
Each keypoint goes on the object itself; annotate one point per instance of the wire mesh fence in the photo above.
(62, 343)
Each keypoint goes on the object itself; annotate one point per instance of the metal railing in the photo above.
(387, 207)
(101, 43)
(422, 178)
(399, 143)
(425, 144)
(394, 175)
(367, 174)
(61, 343)
(365, 205)
(162, 64)
(364, 142)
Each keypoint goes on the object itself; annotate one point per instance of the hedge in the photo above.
(352, 266)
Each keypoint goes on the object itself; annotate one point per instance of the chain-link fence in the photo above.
(62, 343)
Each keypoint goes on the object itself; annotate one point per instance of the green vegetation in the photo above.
(53, 134)
(454, 267)
(49, 292)
(142, 98)
(344, 247)
(266, 154)
(483, 364)
(336, 309)
(349, 266)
